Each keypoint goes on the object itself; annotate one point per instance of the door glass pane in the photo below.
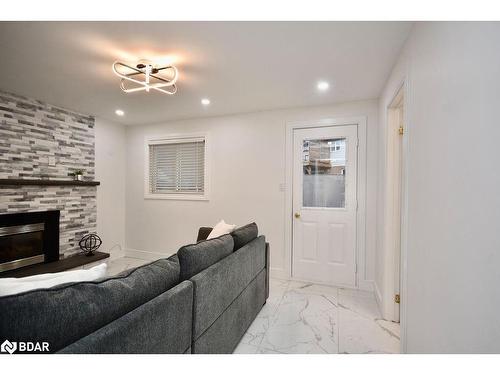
(323, 183)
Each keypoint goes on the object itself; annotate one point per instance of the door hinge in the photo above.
(401, 130)
(396, 298)
(356, 268)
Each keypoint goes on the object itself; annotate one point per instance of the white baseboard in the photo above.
(116, 251)
(366, 285)
(146, 255)
(278, 273)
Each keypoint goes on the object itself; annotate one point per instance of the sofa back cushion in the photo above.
(65, 313)
(244, 235)
(197, 257)
(161, 325)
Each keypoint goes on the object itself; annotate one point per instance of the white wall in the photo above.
(247, 168)
(452, 298)
(110, 158)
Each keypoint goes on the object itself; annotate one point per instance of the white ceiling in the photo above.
(240, 66)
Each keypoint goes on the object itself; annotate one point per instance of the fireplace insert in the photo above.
(28, 238)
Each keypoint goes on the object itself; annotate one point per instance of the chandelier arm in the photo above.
(166, 91)
(144, 86)
(167, 67)
(133, 89)
(134, 74)
(133, 80)
(160, 79)
(126, 66)
(122, 86)
(162, 84)
(123, 76)
(171, 81)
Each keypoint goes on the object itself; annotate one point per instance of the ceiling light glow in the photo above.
(119, 112)
(323, 85)
(205, 101)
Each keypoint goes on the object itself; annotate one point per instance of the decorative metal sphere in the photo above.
(90, 243)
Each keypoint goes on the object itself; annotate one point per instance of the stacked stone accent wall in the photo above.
(41, 141)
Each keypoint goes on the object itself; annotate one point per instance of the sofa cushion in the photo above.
(219, 285)
(224, 334)
(220, 229)
(244, 235)
(162, 325)
(63, 314)
(196, 257)
(9, 286)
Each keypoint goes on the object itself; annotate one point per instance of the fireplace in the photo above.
(28, 238)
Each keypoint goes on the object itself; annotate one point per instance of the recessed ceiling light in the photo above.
(323, 85)
(205, 101)
(119, 112)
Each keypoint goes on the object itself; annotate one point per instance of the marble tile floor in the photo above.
(302, 318)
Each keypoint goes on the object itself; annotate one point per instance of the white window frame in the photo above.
(177, 138)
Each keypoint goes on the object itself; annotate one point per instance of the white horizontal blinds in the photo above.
(177, 167)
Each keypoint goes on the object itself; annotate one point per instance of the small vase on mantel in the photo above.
(77, 175)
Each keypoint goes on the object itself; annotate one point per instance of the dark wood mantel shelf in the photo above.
(21, 182)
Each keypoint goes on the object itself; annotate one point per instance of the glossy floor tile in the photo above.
(304, 318)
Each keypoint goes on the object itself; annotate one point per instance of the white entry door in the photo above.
(324, 204)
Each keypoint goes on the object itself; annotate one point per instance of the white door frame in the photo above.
(394, 187)
(403, 87)
(404, 213)
(360, 122)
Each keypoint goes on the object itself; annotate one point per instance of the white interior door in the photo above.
(324, 204)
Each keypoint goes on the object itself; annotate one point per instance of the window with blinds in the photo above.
(177, 166)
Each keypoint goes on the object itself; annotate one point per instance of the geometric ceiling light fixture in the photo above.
(146, 76)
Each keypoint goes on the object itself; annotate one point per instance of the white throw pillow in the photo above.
(221, 228)
(9, 286)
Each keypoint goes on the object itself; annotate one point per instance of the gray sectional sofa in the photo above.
(200, 300)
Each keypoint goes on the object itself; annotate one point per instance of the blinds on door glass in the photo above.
(177, 167)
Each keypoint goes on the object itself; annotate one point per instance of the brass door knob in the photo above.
(297, 215)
